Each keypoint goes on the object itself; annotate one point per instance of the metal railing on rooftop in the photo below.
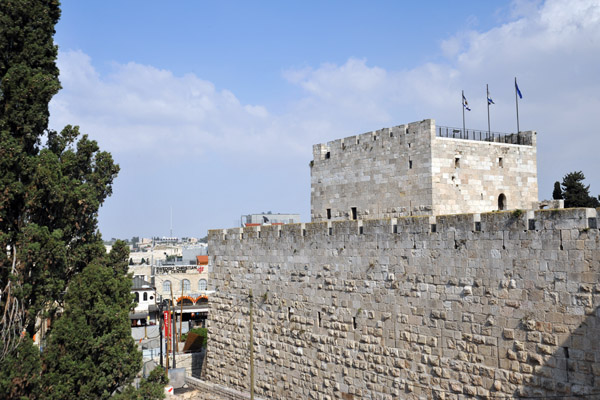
(484, 136)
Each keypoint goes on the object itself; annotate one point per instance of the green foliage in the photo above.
(90, 352)
(150, 388)
(50, 194)
(557, 193)
(52, 185)
(202, 332)
(19, 372)
(517, 213)
(575, 193)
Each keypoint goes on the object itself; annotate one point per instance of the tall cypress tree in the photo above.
(51, 187)
(49, 194)
(90, 352)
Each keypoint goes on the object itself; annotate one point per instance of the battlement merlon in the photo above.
(423, 128)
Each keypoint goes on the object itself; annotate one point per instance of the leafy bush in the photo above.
(202, 332)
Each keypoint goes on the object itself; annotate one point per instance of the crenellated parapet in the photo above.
(500, 221)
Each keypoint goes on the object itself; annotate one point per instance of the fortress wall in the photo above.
(448, 307)
(383, 174)
(469, 175)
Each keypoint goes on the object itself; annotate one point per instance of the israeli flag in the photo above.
(465, 103)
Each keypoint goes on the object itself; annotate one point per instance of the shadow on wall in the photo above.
(552, 362)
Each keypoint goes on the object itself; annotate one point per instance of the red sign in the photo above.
(167, 319)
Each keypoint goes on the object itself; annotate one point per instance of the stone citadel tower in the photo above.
(416, 169)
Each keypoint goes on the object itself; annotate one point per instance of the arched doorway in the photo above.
(502, 202)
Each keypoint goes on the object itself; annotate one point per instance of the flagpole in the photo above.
(487, 100)
(517, 103)
(462, 101)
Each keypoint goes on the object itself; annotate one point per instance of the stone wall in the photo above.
(407, 170)
(493, 305)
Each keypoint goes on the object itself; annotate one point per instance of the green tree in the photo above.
(575, 193)
(22, 377)
(557, 193)
(51, 187)
(49, 194)
(91, 352)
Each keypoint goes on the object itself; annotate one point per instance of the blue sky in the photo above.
(211, 108)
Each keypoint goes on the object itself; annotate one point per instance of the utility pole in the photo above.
(251, 346)
(174, 333)
(180, 314)
(160, 328)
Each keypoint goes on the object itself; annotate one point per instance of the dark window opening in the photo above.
(395, 228)
(354, 322)
(137, 297)
(478, 226)
(289, 313)
(502, 202)
(433, 228)
(456, 162)
(500, 162)
(303, 232)
(409, 164)
(330, 231)
(532, 224)
(354, 213)
(329, 213)
(319, 318)
(327, 155)
(391, 134)
(360, 230)
(145, 296)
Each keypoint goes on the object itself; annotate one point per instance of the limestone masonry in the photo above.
(489, 305)
(411, 170)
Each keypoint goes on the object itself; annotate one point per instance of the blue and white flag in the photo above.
(490, 101)
(517, 89)
(465, 103)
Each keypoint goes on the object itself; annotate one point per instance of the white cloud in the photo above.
(139, 108)
(552, 47)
